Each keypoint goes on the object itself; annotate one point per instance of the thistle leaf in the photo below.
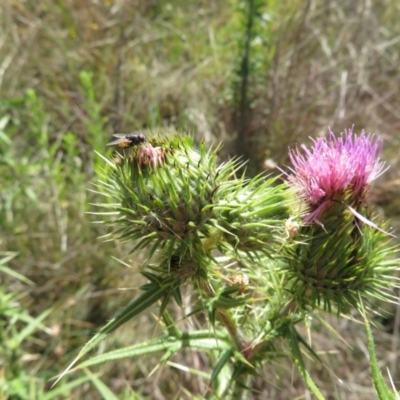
(149, 297)
(220, 364)
(383, 391)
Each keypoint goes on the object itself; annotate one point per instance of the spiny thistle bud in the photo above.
(168, 195)
(164, 192)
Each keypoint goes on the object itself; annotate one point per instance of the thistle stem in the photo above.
(226, 319)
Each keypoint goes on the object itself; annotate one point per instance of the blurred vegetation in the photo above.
(256, 75)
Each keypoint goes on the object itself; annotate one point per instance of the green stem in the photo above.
(226, 319)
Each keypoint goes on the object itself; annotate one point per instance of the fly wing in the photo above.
(113, 143)
(122, 135)
(120, 143)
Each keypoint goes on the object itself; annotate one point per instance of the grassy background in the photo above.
(72, 72)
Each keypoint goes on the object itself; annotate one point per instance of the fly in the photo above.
(126, 140)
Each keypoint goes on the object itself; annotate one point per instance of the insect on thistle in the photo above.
(126, 140)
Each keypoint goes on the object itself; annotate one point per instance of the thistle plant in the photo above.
(261, 254)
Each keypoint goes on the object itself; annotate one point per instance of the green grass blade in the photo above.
(298, 359)
(64, 389)
(101, 387)
(34, 325)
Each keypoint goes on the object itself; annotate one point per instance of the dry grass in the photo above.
(158, 64)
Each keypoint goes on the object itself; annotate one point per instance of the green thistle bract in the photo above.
(343, 262)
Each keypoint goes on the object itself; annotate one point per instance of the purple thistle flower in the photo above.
(335, 166)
